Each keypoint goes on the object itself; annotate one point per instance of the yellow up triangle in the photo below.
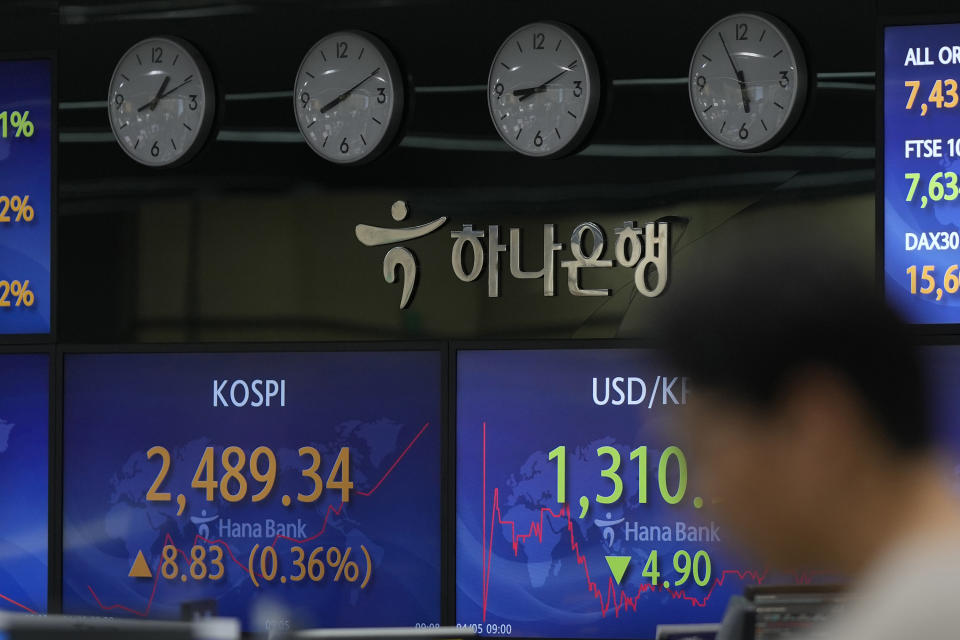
(618, 566)
(140, 568)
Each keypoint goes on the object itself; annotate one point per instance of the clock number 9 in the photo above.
(498, 90)
(304, 99)
(701, 83)
(118, 100)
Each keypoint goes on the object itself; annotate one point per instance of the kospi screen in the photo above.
(26, 188)
(290, 490)
(921, 164)
(24, 437)
(578, 515)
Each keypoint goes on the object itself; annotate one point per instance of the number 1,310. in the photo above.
(612, 473)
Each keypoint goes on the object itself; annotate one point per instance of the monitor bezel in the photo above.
(883, 22)
(456, 346)
(55, 550)
(50, 336)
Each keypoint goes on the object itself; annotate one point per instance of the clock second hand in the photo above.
(346, 94)
(740, 78)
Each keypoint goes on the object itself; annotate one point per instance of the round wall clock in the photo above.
(543, 90)
(748, 81)
(161, 101)
(349, 97)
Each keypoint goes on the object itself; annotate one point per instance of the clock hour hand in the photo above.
(153, 103)
(740, 77)
(346, 94)
(523, 94)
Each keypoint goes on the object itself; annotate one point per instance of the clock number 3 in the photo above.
(381, 95)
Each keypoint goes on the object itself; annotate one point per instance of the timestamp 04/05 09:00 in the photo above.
(487, 628)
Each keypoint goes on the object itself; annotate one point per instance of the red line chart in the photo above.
(14, 602)
(331, 510)
(612, 597)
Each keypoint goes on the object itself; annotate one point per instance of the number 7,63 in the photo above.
(612, 473)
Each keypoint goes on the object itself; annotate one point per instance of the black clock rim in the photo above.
(802, 84)
(576, 142)
(209, 107)
(396, 108)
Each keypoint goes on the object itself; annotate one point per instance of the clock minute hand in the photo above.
(740, 77)
(526, 93)
(153, 103)
(346, 94)
(174, 89)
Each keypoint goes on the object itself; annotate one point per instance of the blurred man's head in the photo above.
(806, 404)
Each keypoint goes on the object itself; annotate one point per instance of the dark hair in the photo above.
(744, 323)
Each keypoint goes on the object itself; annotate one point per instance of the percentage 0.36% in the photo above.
(313, 567)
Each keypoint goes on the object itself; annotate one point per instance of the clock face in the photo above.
(748, 81)
(161, 102)
(348, 98)
(543, 90)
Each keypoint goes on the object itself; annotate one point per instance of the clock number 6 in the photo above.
(155, 149)
(743, 133)
(538, 140)
(344, 147)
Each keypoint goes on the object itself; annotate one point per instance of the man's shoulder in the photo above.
(913, 596)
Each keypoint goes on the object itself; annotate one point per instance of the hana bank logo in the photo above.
(202, 523)
(606, 526)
